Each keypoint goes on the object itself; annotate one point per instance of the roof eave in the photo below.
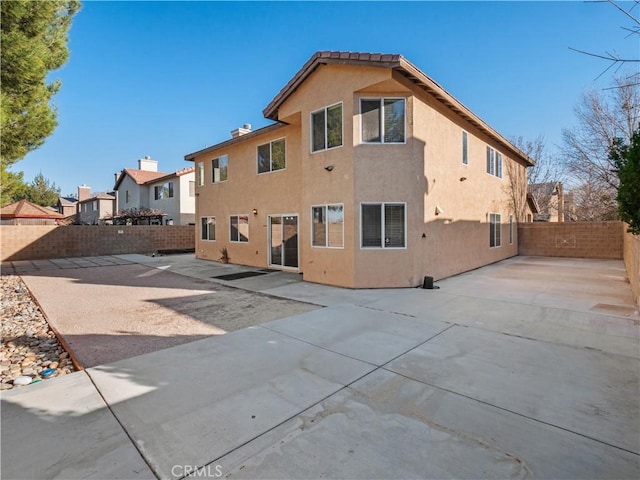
(190, 157)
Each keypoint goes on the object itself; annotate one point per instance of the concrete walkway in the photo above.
(526, 368)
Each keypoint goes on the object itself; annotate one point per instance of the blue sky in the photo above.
(168, 78)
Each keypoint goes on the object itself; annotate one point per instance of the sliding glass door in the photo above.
(283, 241)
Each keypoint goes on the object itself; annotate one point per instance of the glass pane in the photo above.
(200, 173)
(465, 158)
(394, 121)
(371, 225)
(488, 159)
(370, 110)
(318, 227)
(334, 126)
(233, 236)
(394, 225)
(498, 230)
(215, 170)
(275, 227)
(335, 225)
(278, 155)
(317, 131)
(499, 165)
(224, 162)
(290, 227)
(264, 158)
(243, 228)
(204, 229)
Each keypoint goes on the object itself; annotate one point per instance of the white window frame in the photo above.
(495, 227)
(382, 142)
(200, 173)
(215, 236)
(494, 162)
(213, 170)
(238, 217)
(270, 143)
(382, 225)
(326, 231)
(465, 148)
(326, 130)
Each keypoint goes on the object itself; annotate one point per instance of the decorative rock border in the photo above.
(29, 345)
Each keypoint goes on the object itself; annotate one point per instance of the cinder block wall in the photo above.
(583, 240)
(631, 247)
(30, 242)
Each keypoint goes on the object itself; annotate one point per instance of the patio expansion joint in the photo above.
(344, 387)
(533, 419)
(124, 429)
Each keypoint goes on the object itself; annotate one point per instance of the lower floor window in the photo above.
(383, 225)
(494, 229)
(239, 228)
(208, 228)
(327, 226)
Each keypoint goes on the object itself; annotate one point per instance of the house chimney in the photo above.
(84, 192)
(238, 132)
(147, 164)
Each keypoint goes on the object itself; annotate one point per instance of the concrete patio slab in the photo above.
(389, 426)
(362, 333)
(609, 333)
(195, 403)
(63, 429)
(591, 393)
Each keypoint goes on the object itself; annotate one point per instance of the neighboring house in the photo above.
(27, 213)
(550, 199)
(372, 176)
(147, 189)
(95, 209)
(532, 208)
(67, 206)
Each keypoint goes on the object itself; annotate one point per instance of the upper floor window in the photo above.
(494, 162)
(219, 169)
(127, 196)
(200, 173)
(383, 225)
(239, 228)
(326, 128)
(272, 156)
(163, 191)
(95, 205)
(327, 229)
(383, 120)
(192, 188)
(465, 148)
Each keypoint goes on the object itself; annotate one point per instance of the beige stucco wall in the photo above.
(271, 193)
(422, 173)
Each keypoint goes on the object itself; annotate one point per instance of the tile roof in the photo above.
(142, 177)
(405, 68)
(26, 209)
(68, 201)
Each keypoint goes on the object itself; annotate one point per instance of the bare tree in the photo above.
(516, 189)
(603, 118)
(633, 30)
(545, 175)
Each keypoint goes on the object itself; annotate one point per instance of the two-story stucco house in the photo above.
(371, 176)
(147, 189)
(94, 208)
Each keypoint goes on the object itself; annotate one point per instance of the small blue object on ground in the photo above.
(49, 372)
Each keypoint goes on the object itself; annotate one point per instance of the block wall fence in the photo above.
(31, 242)
(632, 262)
(579, 239)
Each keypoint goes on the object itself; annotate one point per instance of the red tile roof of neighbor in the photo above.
(26, 209)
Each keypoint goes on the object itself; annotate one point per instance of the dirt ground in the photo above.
(110, 313)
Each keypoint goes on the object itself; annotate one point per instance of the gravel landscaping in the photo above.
(29, 346)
